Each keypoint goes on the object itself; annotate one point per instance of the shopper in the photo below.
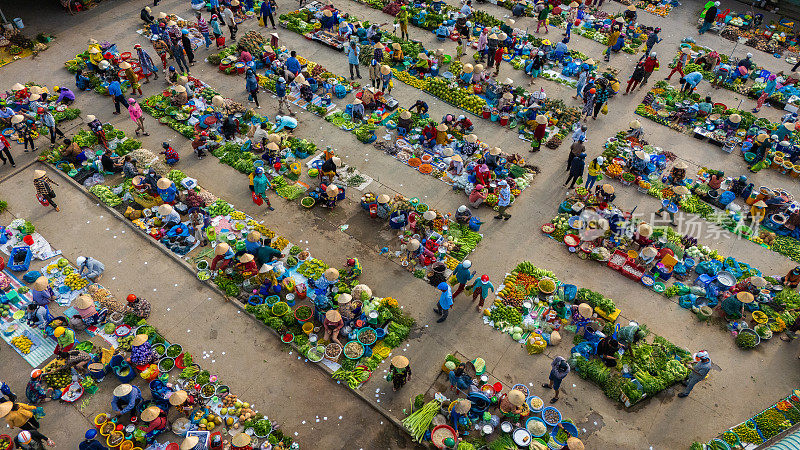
(690, 82)
(559, 370)
(575, 170)
(23, 128)
(399, 372)
(462, 276)
(700, 368)
(353, 51)
(650, 64)
(267, 10)
(138, 307)
(146, 63)
(125, 400)
(5, 393)
(280, 92)
(89, 443)
(601, 98)
(135, 111)
(219, 40)
(65, 96)
(41, 183)
(444, 303)
(636, 77)
(402, 19)
(766, 92)
(480, 288)
(187, 46)
(543, 12)
(652, 40)
(19, 415)
(115, 91)
(682, 60)
(709, 18)
(230, 20)
(504, 200)
(593, 171)
(588, 103)
(261, 184)
(374, 74)
(202, 27)
(575, 149)
(251, 85)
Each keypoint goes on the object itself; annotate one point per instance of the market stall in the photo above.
(775, 38)
(19, 98)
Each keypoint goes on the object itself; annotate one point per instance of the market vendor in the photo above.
(459, 379)
(179, 96)
(478, 195)
(285, 122)
(36, 316)
(757, 212)
(483, 174)
(330, 195)
(635, 130)
(470, 145)
(792, 279)
(182, 401)
(327, 280)
(142, 353)
(399, 372)
(155, 421)
(266, 253)
(137, 306)
(630, 14)
(607, 351)
(459, 413)
(630, 334)
(478, 75)
(41, 291)
(78, 359)
(738, 185)
(84, 304)
(715, 179)
(466, 74)
(353, 270)
(332, 324)
(428, 135)
(705, 107)
(733, 305)
(357, 109)
(223, 256)
(605, 193)
(327, 172)
(346, 307)
(639, 163)
(190, 443)
(420, 106)
(269, 280)
(73, 152)
(463, 214)
(422, 65)
(252, 242)
(65, 339)
(513, 404)
(404, 123)
(126, 398)
(169, 217)
(247, 265)
(506, 103)
(229, 127)
(383, 209)
(785, 130)
(677, 174)
(456, 167)
(642, 235)
(166, 190)
(732, 123)
(95, 58)
(241, 442)
(368, 97)
(761, 146)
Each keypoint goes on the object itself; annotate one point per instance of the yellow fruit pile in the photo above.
(23, 343)
(237, 215)
(75, 282)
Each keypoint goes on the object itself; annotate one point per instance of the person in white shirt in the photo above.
(227, 15)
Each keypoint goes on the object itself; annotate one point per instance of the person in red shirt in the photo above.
(170, 155)
(464, 125)
(156, 420)
(650, 64)
(539, 132)
(483, 174)
(498, 58)
(478, 195)
(245, 56)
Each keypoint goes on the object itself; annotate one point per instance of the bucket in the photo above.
(308, 327)
(494, 117)
(100, 419)
(777, 161)
(787, 167)
(795, 171)
(126, 445)
(97, 371)
(486, 114)
(504, 120)
(18, 23)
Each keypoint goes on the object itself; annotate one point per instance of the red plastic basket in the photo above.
(125, 56)
(617, 266)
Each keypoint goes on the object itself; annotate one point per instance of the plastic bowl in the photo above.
(550, 408)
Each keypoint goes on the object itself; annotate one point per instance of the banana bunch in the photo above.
(75, 282)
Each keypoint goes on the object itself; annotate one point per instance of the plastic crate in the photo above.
(617, 253)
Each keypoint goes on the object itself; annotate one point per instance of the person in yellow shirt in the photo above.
(758, 211)
(95, 56)
(397, 53)
(19, 415)
(593, 170)
(441, 134)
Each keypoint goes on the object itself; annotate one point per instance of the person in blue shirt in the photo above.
(280, 92)
(293, 65)
(266, 13)
(281, 122)
(561, 50)
(690, 81)
(115, 91)
(252, 243)
(352, 51)
(445, 302)
(126, 399)
(7, 395)
(90, 443)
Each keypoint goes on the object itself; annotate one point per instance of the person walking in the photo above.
(216, 30)
(575, 170)
(709, 18)
(480, 288)
(280, 92)
(700, 368)
(575, 149)
(491, 48)
(399, 372)
(5, 152)
(582, 79)
(146, 63)
(186, 43)
(23, 128)
(50, 122)
(115, 91)
(230, 20)
(32, 440)
(682, 60)
(19, 415)
(176, 46)
(202, 27)
(611, 42)
(636, 77)
(483, 40)
(267, 10)
(559, 370)
(766, 92)
(41, 183)
(462, 275)
(251, 85)
(261, 183)
(444, 303)
(6, 395)
(652, 40)
(588, 103)
(137, 116)
(650, 65)
(162, 50)
(541, 17)
(402, 20)
(601, 98)
(498, 58)
(593, 171)
(374, 74)
(353, 51)
(131, 76)
(503, 200)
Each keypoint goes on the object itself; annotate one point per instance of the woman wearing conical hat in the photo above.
(41, 183)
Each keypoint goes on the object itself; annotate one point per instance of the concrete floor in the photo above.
(665, 422)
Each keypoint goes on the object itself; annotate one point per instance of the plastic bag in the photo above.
(257, 199)
(604, 110)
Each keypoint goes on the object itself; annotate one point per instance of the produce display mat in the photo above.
(42, 349)
(63, 298)
(345, 175)
(23, 299)
(316, 101)
(41, 249)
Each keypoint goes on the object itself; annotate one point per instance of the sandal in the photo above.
(546, 386)
(553, 400)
